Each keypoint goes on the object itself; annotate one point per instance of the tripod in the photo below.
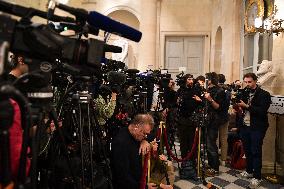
(86, 135)
(273, 177)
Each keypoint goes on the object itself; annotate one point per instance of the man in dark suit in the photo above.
(255, 123)
(126, 161)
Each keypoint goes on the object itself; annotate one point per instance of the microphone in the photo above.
(103, 22)
(112, 48)
(109, 25)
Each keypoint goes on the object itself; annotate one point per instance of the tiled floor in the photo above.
(227, 179)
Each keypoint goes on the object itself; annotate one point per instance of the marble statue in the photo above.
(265, 72)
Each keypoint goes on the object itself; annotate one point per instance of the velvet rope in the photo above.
(189, 155)
(144, 171)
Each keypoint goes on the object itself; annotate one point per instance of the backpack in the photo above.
(238, 159)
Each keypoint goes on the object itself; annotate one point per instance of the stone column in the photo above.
(148, 25)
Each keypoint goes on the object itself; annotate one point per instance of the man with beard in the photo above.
(188, 102)
(255, 123)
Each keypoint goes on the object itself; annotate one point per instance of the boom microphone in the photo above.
(103, 22)
(109, 25)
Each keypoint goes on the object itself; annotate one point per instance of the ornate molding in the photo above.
(260, 13)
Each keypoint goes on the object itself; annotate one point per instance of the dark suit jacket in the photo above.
(258, 109)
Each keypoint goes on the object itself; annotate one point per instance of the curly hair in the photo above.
(213, 77)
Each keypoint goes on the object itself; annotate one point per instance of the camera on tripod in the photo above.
(180, 79)
(62, 72)
(162, 78)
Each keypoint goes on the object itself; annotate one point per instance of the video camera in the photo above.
(75, 64)
(46, 51)
(180, 79)
(240, 94)
(42, 43)
(162, 78)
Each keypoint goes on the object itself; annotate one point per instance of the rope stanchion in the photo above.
(189, 155)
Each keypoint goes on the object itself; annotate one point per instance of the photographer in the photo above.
(238, 85)
(188, 102)
(223, 129)
(216, 111)
(255, 124)
(170, 96)
(170, 105)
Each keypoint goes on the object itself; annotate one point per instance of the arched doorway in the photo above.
(218, 50)
(128, 18)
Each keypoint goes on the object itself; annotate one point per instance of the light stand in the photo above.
(273, 177)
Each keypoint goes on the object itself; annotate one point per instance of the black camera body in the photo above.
(240, 94)
(180, 80)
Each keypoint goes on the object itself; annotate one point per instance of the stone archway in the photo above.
(218, 50)
(129, 18)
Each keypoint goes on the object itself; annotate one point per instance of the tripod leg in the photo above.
(198, 153)
(35, 146)
(90, 146)
(53, 116)
(81, 146)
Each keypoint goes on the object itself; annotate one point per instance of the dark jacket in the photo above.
(187, 104)
(170, 98)
(218, 117)
(126, 163)
(258, 109)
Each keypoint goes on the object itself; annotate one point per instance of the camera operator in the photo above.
(253, 130)
(200, 80)
(188, 102)
(170, 105)
(18, 68)
(170, 96)
(223, 129)
(199, 85)
(238, 85)
(216, 98)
